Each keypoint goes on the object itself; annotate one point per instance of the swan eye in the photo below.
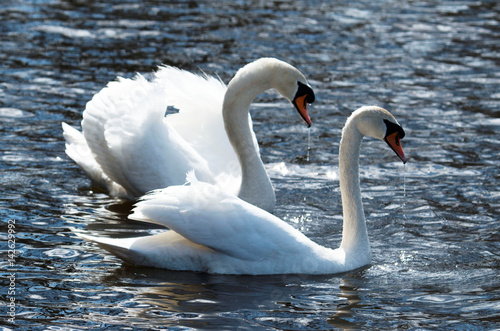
(303, 96)
(306, 91)
(393, 127)
(310, 97)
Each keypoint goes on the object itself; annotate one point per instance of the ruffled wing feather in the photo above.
(125, 130)
(207, 216)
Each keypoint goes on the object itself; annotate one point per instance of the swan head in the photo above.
(380, 124)
(303, 97)
(267, 73)
(292, 84)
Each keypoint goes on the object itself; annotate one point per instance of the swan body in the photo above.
(216, 232)
(128, 145)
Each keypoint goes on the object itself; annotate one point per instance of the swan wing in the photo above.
(124, 128)
(78, 150)
(208, 216)
(199, 99)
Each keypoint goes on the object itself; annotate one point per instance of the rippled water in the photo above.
(433, 224)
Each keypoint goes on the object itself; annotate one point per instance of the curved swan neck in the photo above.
(354, 234)
(247, 84)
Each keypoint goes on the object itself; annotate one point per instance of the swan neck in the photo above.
(256, 187)
(354, 234)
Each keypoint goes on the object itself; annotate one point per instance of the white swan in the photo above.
(215, 232)
(130, 147)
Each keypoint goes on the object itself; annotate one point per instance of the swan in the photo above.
(215, 232)
(129, 147)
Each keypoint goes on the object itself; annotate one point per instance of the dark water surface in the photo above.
(433, 224)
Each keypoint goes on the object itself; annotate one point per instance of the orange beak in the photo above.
(395, 143)
(300, 104)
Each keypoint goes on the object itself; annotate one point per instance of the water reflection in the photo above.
(346, 313)
(290, 301)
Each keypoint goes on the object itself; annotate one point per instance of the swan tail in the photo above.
(164, 250)
(120, 247)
